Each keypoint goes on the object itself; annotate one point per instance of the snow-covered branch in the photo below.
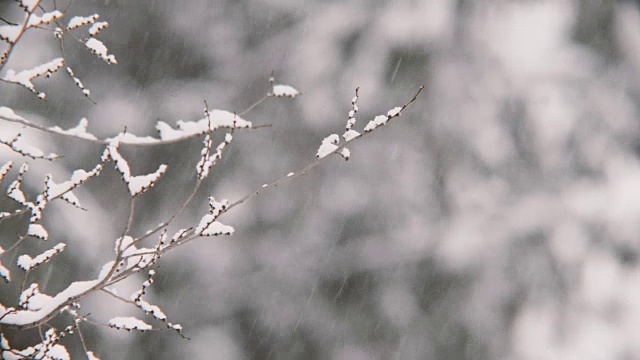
(132, 253)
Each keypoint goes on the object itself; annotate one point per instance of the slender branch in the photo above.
(5, 56)
(190, 197)
(94, 323)
(105, 142)
(24, 281)
(176, 213)
(40, 333)
(116, 296)
(16, 244)
(276, 183)
(132, 207)
(315, 163)
(82, 341)
(25, 210)
(110, 279)
(73, 78)
(262, 188)
(15, 213)
(127, 228)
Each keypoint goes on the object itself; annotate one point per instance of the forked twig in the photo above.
(312, 165)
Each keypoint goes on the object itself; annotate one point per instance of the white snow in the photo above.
(218, 228)
(58, 352)
(64, 189)
(15, 193)
(79, 131)
(97, 27)
(4, 169)
(207, 160)
(26, 263)
(153, 310)
(33, 299)
(9, 33)
(4, 273)
(329, 145)
(352, 113)
(179, 235)
(79, 83)
(4, 343)
(7, 137)
(394, 112)
(350, 134)
(290, 174)
(7, 113)
(219, 119)
(38, 231)
(284, 90)
(123, 244)
(129, 323)
(377, 121)
(46, 18)
(146, 257)
(24, 77)
(345, 153)
(209, 227)
(29, 150)
(78, 21)
(98, 48)
(29, 5)
(128, 138)
(36, 208)
(216, 207)
(73, 291)
(72, 199)
(136, 184)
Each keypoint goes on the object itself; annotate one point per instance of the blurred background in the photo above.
(498, 218)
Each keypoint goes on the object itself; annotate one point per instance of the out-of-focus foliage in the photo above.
(499, 219)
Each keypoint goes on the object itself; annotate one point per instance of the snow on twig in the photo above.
(37, 308)
(129, 323)
(136, 184)
(26, 262)
(24, 77)
(290, 176)
(28, 318)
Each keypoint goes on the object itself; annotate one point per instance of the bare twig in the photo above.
(5, 56)
(7, 21)
(254, 105)
(81, 337)
(110, 279)
(16, 244)
(313, 164)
